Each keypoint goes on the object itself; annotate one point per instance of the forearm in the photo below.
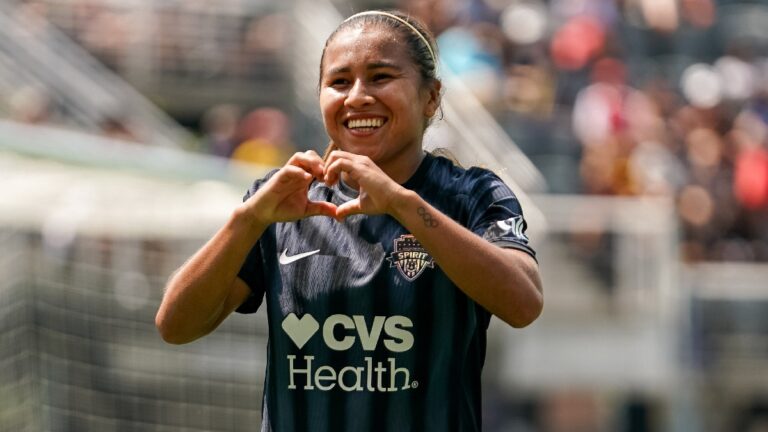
(504, 281)
(197, 293)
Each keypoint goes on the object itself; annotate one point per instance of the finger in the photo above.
(336, 167)
(355, 163)
(310, 161)
(321, 208)
(341, 154)
(349, 208)
(292, 174)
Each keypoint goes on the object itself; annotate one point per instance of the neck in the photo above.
(404, 168)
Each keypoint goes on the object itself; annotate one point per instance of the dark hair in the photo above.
(420, 53)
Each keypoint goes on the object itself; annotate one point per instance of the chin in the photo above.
(372, 151)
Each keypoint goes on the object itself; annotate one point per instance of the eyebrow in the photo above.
(370, 66)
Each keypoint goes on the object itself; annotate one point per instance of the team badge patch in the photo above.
(513, 227)
(410, 257)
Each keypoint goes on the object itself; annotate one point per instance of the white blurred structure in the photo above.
(39, 62)
(87, 242)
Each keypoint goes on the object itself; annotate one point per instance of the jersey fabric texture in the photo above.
(366, 332)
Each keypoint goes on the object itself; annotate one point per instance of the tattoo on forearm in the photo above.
(429, 221)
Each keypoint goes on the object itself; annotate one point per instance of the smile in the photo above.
(365, 124)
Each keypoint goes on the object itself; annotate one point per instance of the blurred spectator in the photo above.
(264, 138)
(529, 90)
(751, 160)
(117, 127)
(268, 34)
(438, 15)
(577, 42)
(31, 104)
(219, 127)
(34, 17)
(107, 35)
(474, 54)
(573, 411)
(663, 97)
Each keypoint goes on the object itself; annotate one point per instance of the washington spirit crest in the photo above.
(409, 257)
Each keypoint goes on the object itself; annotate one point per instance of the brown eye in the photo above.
(338, 82)
(381, 77)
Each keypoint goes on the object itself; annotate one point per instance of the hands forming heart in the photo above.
(284, 196)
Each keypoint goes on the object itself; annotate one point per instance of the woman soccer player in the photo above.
(381, 265)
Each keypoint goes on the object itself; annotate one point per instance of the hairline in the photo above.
(362, 23)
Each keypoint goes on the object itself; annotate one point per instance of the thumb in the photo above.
(349, 208)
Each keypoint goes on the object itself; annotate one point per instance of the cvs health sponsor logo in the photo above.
(340, 333)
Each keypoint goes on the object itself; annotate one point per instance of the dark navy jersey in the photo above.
(366, 332)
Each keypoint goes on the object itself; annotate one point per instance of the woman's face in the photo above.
(372, 97)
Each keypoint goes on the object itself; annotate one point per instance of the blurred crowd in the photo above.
(36, 104)
(224, 44)
(223, 39)
(610, 97)
(261, 136)
(607, 97)
(258, 136)
(635, 97)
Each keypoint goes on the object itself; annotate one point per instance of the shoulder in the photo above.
(473, 181)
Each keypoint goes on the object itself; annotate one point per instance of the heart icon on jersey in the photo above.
(300, 330)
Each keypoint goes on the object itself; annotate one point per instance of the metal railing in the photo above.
(90, 92)
(188, 56)
(610, 269)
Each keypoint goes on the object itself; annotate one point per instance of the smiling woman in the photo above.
(379, 89)
(373, 98)
(381, 265)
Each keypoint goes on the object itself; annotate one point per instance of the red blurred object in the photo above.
(576, 42)
(751, 178)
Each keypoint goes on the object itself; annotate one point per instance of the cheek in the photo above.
(328, 107)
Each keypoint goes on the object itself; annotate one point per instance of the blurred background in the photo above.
(634, 131)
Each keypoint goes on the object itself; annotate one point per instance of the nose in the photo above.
(358, 95)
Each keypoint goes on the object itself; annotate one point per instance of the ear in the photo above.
(433, 101)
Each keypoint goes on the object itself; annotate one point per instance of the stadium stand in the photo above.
(647, 128)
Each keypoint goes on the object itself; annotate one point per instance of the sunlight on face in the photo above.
(372, 96)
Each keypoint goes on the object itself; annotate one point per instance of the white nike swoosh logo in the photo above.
(285, 259)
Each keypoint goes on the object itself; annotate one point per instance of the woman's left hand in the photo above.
(377, 189)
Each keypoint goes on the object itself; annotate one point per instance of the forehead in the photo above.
(363, 45)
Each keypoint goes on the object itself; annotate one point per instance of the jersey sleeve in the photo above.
(252, 271)
(495, 213)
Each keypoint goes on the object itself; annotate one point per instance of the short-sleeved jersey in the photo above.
(366, 332)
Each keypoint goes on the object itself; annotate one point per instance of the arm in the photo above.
(504, 281)
(206, 289)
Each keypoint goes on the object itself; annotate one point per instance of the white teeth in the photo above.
(365, 123)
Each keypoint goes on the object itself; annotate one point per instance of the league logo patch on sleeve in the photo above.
(513, 227)
(409, 257)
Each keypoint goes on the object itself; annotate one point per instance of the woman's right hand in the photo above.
(284, 196)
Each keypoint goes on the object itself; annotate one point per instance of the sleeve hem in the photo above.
(514, 245)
